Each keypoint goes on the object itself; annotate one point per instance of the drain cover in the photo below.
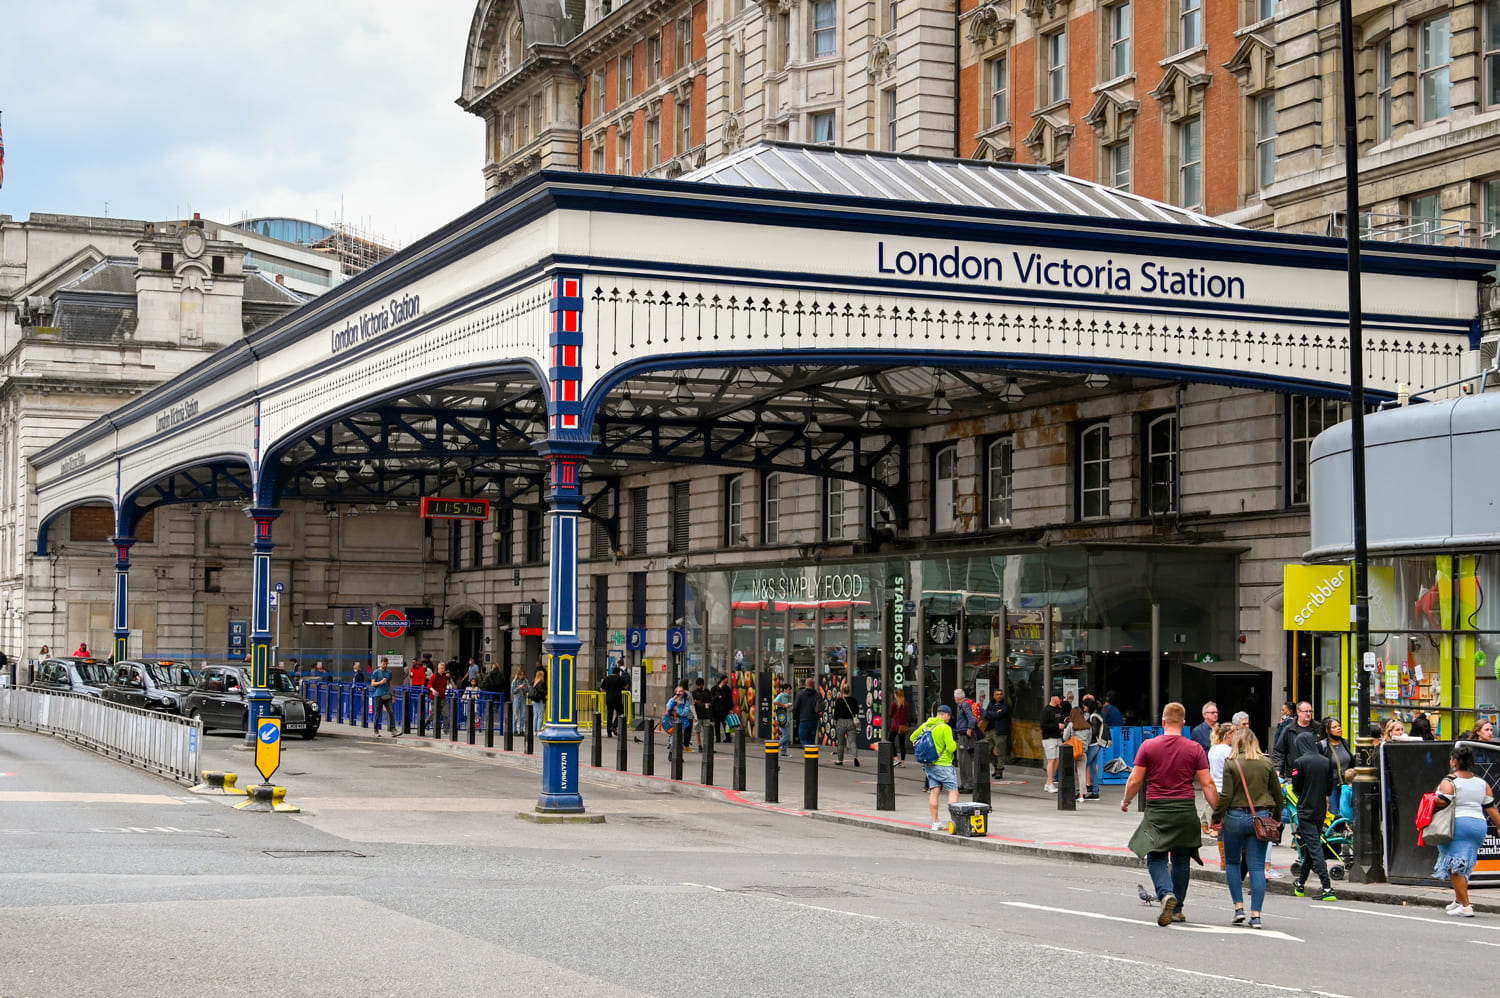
(305, 853)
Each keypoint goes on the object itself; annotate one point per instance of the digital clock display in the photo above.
(434, 508)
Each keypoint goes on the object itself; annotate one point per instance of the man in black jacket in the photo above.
(723, 705)
(1052, 719)
(1312, 777)
(1282, 755)
(997, 730)
(806, 710)
(613, 687)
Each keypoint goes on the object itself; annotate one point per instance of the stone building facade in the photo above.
(95, 311)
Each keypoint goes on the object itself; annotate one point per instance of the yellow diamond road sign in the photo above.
(268, 747)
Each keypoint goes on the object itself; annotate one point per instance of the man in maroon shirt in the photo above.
(1169, 836)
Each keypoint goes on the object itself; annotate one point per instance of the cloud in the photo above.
(276, 108)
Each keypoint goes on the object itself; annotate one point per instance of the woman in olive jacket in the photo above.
(1246, 769)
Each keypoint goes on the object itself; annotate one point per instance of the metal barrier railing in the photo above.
(160, 743)
(349, 703)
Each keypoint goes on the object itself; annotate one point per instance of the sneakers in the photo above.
(1461, 910)
(856, 763)
(937, 826)
(1239, 917)
(395, 734)
(1091, 796)
(1168, 909)
(1452, 906)
(1178, 916)
(1255, 921)
(1328, 895)
(1299, 890)
(1051, 788)
(1273, 874)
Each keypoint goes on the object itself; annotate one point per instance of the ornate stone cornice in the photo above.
(1180, 91)
(1254, 63)
(1049, 139)
(1112, 116)
(882, 61)
(1045, 10)
(990, 25)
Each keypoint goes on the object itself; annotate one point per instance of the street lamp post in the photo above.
(1367, 866)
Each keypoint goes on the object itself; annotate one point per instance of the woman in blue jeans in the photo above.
(1250, 789)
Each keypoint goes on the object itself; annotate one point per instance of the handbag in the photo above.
(1267, 826)
(732, 722)
(1079, 751)
(1439, 828)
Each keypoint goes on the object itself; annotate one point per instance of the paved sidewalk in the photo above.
(1024, 819)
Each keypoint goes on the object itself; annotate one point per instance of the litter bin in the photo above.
(970, 820)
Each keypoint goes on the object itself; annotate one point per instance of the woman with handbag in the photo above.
(1467, 798)
(1248, 816)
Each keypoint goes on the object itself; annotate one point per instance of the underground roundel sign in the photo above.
(392, 623)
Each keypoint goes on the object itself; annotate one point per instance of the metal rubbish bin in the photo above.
(972, 820)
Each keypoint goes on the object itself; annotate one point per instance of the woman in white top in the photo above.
(1219, 749)
(1473, 799)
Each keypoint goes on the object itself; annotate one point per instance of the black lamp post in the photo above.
(1367, 859)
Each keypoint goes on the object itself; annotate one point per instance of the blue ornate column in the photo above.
(566, 449)
(122, 595)
(260, 616)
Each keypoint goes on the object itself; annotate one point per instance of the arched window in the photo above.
(1093, 471)
(945, 490)
(1161, 464)
(998, 482)
(770, 509)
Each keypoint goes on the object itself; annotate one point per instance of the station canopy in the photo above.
(787, 307)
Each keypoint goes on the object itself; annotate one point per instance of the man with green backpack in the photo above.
(935, 746)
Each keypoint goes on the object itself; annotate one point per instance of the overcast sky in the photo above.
(313, 109)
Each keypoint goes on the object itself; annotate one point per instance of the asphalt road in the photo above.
(408, 873)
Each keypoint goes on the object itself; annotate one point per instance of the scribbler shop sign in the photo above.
(1316, 597)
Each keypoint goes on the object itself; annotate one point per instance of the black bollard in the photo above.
(453, 712)
(598, 754)
(364, 705)
(530, 731)
(773, 772)
(508, 722)
(407, 702)
(674, 754)
(739, 759)
(437, 718)
(489, 723)
(982, 772)
(810, 777)
(706, 776)
(471, 720)
(421, 712)
(622, 749)
(885, 776)
(648, 751)
(1067, 780)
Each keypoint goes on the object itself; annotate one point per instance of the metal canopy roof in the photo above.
(791, 166)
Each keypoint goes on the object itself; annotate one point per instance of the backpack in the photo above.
(926, 749)
(1102, 736)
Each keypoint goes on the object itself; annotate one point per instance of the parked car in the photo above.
(220, 699)
(72, 674)
(151, 683)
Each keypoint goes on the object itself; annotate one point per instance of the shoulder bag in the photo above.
(1439, 830)
(1267, 826)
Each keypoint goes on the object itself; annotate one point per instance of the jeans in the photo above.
(1310, 837)
(538, 714)
(389, 706)
(1170, 872)
(518, 713)
(1241, 845)
(786, 736)
(1095, 767)
(999, 751)
(616, 709)
(844, 733)
(807, 731)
